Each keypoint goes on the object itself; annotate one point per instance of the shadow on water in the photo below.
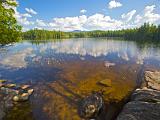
(22, 111)
(73, 100)
(30, 74)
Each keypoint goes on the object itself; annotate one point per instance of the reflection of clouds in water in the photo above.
(92, 48)
(147, 53)
(125, 50)
(17, 60)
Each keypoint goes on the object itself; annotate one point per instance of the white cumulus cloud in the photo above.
(114, 4)
(83, 11)
(94, 22)
(41, 23)
(148, 15)
(127, 17)
(31, 11)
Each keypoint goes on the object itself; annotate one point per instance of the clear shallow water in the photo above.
(62, 70)
(29, 61)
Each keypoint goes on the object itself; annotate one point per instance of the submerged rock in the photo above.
(24, 87)
(109, 64)
(91, 106)
(10, 93)
(3, 81)
(106, 83)
(30, 91)
(10, 85)
(23, 96)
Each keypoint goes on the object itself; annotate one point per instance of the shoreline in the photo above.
(145, 100)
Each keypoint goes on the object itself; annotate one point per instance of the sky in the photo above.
(86, 15)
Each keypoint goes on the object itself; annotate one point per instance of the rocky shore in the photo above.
(11, 94)
(145, 101)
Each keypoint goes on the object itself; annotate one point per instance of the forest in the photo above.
(11, 31)
(145, 32)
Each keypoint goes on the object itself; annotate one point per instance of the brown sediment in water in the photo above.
(60, 99)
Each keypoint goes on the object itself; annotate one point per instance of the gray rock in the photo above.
(145, 102)
(146, 95)
(91, 106)
(138, 110)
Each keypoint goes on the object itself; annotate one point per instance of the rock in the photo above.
(10, 85)
(21, 98)
(109, 64)
(139, 110)
(153, 79)
(15, 98)
(145, 102)
(23, 95)
(8, 91)
(106, 83)
(146, 95)
(3, 81)
(91, 106)
(30, 91)
(25, 87)
(1, 85)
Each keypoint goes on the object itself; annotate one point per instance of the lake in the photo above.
(62, 72)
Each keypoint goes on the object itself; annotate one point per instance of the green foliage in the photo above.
(144, 33)
(44, 35)
(10, 31)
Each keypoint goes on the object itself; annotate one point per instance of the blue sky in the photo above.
(69, 15)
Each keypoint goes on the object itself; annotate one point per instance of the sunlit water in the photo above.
(61, 70)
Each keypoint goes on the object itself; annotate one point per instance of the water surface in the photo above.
(65, 71)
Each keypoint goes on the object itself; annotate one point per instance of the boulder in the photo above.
(145, 102)
(91, 106)
(146, 95)
(106, 83)
(152, 78)
(139, 110)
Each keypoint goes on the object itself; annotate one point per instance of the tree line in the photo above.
(10, 31)
(145, 32)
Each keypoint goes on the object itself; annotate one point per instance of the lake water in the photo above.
(65, 71)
